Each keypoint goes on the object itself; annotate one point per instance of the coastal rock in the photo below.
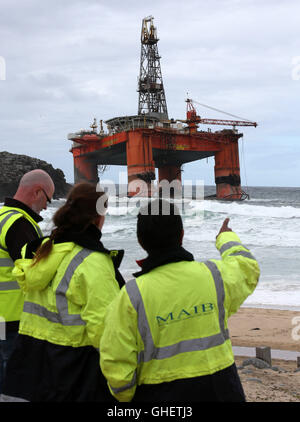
(258, 363)
(13, 166)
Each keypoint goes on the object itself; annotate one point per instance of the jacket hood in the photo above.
(38, 277)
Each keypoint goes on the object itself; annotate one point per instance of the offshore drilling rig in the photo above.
(151, 140)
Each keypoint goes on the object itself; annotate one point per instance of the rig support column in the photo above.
(140, 164)
(227, 171)
(85, 170)
(169, 173)
(172, 175)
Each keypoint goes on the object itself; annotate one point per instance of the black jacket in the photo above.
(22, 231)
(19, 233)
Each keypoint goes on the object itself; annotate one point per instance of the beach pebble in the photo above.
(258, 363)
(247, 371)
(278, 369)
(254, 380)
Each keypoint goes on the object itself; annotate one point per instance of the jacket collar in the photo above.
(11, 202)
(90, 239)
(163, 257)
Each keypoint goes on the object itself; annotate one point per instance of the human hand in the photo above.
(224, 227)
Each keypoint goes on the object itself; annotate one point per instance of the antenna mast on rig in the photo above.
(152, 99)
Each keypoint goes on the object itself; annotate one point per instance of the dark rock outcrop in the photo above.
(14, 166)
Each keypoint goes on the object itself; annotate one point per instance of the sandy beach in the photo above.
(254, 327)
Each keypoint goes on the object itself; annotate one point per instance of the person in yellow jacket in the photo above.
(19, 224)
(166, 334)
(68, 280)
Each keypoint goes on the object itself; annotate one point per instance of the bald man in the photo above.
(19, 218)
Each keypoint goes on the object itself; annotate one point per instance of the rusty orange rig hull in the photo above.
(144, 149)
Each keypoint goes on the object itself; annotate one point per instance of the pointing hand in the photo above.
(224, 227)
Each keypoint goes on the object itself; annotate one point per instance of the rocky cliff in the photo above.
(13, 166)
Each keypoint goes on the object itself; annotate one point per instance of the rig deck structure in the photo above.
(151, 140)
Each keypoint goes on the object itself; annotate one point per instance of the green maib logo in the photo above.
(195, 311)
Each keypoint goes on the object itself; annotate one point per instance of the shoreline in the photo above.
(274, 307)
(257, 327)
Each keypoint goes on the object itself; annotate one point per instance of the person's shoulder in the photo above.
(32, 247)
(94, 257)
(21, 223)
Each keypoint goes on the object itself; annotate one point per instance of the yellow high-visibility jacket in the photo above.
(172, 322)
(66, 294)
(11, 298)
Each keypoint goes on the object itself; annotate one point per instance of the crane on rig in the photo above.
(193, 119)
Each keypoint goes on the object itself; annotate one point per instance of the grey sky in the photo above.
(70, 61)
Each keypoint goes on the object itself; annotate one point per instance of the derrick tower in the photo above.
(152, 99)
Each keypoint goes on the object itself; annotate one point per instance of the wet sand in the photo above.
(252, 327)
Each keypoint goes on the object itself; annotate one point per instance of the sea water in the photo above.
(268, 224)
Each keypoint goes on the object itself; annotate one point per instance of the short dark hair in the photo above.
(159, 225)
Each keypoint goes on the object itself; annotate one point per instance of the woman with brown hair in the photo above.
(68, 280)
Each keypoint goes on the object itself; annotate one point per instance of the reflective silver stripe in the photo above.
(6, 262)
(185, 346)
(61, 299)
(243, 253)
(62, 316)
(39, 231)
(41, 311)
(2, 222)
(220, 295)
(229, 245)
(35, 309)
(7, 217)
(150, 351)
(125, 387)
(5, 399)
(143, 326)
(9, 285)
(10, 214)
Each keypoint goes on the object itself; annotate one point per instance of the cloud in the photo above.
(68, 62)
